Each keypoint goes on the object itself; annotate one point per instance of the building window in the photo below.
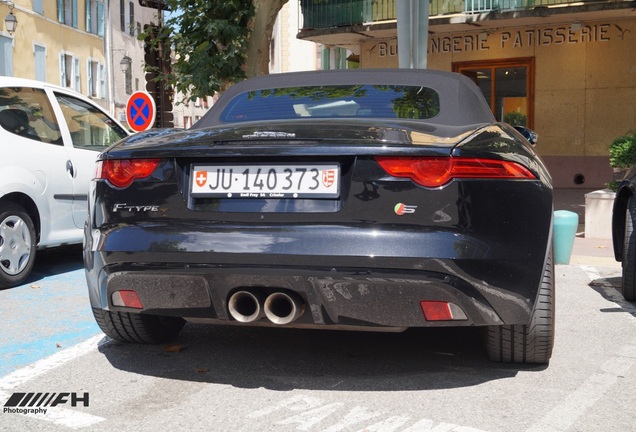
(39, 53)
(69, 72)
(128, 79)
(122, 15)
(95, 17)
(131, 19)
(6, 56)
(67, 12)
(95, 79)
(507, 85)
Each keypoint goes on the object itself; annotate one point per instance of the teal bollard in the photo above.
(565, 226)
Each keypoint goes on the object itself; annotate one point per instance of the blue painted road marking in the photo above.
(49, 313)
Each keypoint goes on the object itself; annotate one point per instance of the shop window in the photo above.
(507, 85)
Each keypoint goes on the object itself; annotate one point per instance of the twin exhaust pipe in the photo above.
(280, 308)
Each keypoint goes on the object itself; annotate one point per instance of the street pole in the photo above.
(412, 29)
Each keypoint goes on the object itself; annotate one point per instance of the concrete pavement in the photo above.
(586, 251)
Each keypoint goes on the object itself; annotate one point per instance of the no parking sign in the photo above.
(140, 111)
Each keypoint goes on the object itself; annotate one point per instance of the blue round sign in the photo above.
(140, 111)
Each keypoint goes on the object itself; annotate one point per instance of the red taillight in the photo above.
(122, 172)
(437, 171)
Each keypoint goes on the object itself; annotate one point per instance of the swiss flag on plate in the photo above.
(201, 178)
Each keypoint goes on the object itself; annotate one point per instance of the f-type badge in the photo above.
(401, 209)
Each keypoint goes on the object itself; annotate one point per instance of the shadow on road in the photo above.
(57, 260)
(611, 289)
(286, 359)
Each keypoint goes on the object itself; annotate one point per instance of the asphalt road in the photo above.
(240, 379)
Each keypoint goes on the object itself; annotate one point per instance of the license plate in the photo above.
(266, 181)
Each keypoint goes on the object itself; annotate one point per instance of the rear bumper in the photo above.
(343, 295)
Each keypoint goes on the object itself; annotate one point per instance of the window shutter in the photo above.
(60, 11)
(100, 19)
(102, 81)
(74, 8)
(89, 22)
(76, 73)
(89, 78)
(62, 70)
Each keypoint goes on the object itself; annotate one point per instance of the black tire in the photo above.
(138, 328)
(17, 246)
(528, 343)
(629, 252)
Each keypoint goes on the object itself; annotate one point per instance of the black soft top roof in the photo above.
(461, 101)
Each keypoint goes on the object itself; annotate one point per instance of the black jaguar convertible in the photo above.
(365, 199)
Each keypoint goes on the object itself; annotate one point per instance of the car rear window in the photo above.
(334, 101)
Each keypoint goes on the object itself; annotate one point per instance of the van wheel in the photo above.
(17, 246)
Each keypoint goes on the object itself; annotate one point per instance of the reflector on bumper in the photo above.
(126, 299)
(442, 311)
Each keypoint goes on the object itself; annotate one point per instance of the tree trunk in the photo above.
(262, 26)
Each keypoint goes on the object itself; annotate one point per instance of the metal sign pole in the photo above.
(412, 29)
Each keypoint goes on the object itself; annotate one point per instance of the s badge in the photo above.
(401, 209)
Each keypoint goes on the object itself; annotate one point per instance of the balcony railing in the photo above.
(319, 14)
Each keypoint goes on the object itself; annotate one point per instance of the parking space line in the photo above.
(51, 362)
(57, 415)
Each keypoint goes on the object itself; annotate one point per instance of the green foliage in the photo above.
(623, 151)
(515, 118)
(613, 185)
(209, 40)
(417, 103)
